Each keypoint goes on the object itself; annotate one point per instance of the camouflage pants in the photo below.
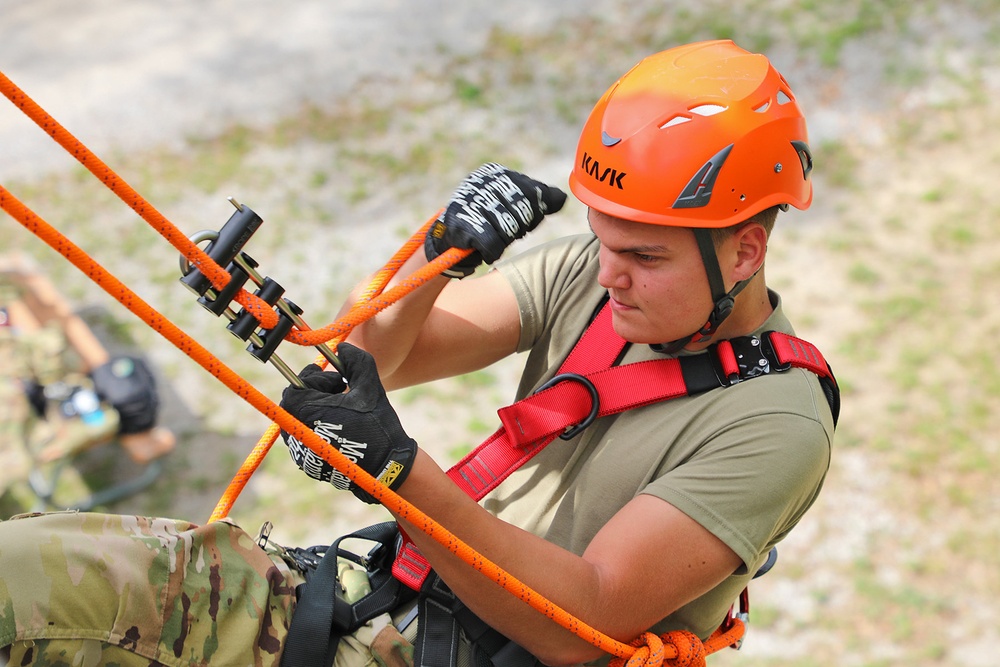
(95, 589)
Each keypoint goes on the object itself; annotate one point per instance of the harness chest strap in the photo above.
(588, 385)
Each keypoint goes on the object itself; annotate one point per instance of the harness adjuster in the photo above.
(771, 354)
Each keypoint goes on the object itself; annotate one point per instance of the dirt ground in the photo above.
(130, 75)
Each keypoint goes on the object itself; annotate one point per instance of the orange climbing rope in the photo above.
(371, 303)
(359, 312)
(271, 411)
(676, 648)
(215, 273)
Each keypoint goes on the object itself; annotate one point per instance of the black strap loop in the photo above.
(442, 615)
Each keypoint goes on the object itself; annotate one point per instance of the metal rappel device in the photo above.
(225, 249)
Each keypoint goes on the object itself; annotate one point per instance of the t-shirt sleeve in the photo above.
(753, 476)
(551, 282)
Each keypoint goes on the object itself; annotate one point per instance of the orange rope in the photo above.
(218, 276)
(362, 310)
(284, 420)
(655, 649)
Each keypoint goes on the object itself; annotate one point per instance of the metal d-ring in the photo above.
(595, 401)
(196, 238)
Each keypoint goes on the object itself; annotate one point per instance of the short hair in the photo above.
(764, 218)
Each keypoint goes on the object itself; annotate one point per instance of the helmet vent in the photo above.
(676, 120)
(783, 97)
(700, 110)
(708, 109)
(763, 107)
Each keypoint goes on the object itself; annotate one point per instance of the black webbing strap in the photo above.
(322, 616)
(736, 360)
(436, 644)
(441, 621)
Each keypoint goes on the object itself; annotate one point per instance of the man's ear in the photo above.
(750, 246)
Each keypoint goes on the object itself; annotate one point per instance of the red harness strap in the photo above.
(588, 385)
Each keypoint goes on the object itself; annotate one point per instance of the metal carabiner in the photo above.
(595, 401)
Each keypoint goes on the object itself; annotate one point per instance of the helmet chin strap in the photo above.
(723, 301)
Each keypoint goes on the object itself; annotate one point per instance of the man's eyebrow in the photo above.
(647, 249)
(642, 249)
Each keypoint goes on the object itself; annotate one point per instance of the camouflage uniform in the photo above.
(29, 443)
(17, 418)
(96, 589)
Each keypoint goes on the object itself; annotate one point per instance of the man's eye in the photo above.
(645, 258)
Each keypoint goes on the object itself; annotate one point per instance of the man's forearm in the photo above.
(390, 336)
(564, 578)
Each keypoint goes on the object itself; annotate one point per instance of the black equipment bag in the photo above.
(128, 385)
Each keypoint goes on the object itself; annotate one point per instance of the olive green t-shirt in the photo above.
(745, 461)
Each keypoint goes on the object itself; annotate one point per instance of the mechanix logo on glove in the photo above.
(491, 208)
(491, 191)
(313, 465)
(360, 423)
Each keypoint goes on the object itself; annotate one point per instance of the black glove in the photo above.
(360, 423)
(490, 209)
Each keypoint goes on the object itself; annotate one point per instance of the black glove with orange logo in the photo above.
(358, 421)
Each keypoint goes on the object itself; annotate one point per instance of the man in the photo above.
(651, 518)
(655, 517)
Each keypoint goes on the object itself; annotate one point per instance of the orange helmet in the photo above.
(702, 135)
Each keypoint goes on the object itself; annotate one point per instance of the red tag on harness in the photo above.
(410, 566)
(792, 351)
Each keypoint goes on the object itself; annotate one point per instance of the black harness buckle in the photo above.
(754, 357)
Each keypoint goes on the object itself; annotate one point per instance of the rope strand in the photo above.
(284, 420)
(218, 276)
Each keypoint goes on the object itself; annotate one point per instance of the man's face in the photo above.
(655, 277)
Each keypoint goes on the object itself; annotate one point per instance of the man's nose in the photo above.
(612, 274)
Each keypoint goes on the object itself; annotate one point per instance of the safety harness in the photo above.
(589, 384)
